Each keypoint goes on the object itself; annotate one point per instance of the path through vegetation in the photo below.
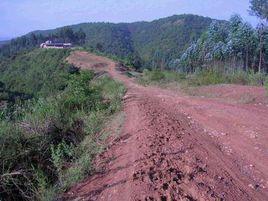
(176, 147)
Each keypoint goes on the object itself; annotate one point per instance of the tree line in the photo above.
(181, 42)
(230, 46)
(32, 40)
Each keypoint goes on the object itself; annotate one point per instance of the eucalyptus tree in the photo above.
(259, 8)
(244, 42)
(223, 43)
(241, 41)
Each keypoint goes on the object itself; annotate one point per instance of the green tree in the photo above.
(67, 34)
(243, 39)
(2, 85)
(80, 37)
(259, 8)
(261, 29)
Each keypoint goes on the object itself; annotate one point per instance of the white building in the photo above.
(50, 44)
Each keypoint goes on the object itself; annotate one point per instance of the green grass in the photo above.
(201, 78)
(160, 77)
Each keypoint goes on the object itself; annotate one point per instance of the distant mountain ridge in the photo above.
(3, 42)
(154, 42)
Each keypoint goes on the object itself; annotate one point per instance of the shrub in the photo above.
(157, 76)
(256, 78)
(238, 77)
(21, 161)
(206, 77)
(52, 143)
(171, 76)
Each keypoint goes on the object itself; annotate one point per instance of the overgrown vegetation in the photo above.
(48, 142)
(36, 73)
(160, 77)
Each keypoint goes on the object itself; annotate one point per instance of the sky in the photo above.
(18, 17)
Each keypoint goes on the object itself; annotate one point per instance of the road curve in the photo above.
(176, 147)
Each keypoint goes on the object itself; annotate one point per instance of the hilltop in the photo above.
(166, 38)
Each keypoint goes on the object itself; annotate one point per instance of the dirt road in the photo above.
(176, 147)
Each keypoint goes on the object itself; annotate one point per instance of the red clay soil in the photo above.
(176, 147)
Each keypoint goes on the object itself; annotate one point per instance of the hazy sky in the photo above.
(18, 17)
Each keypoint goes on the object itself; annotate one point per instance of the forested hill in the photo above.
(165, 38)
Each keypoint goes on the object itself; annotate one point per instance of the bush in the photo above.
(171, 76)
(238, 77)
(257, 79)
(23, 161)
(206, 77)
(157, 76)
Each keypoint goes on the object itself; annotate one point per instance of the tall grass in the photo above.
(160, 77)
(202, 77)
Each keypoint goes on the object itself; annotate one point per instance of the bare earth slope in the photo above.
(175, 147)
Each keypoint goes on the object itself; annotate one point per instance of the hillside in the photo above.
(40, 72)
(157, 41)
(167, 37)
(50, 112)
